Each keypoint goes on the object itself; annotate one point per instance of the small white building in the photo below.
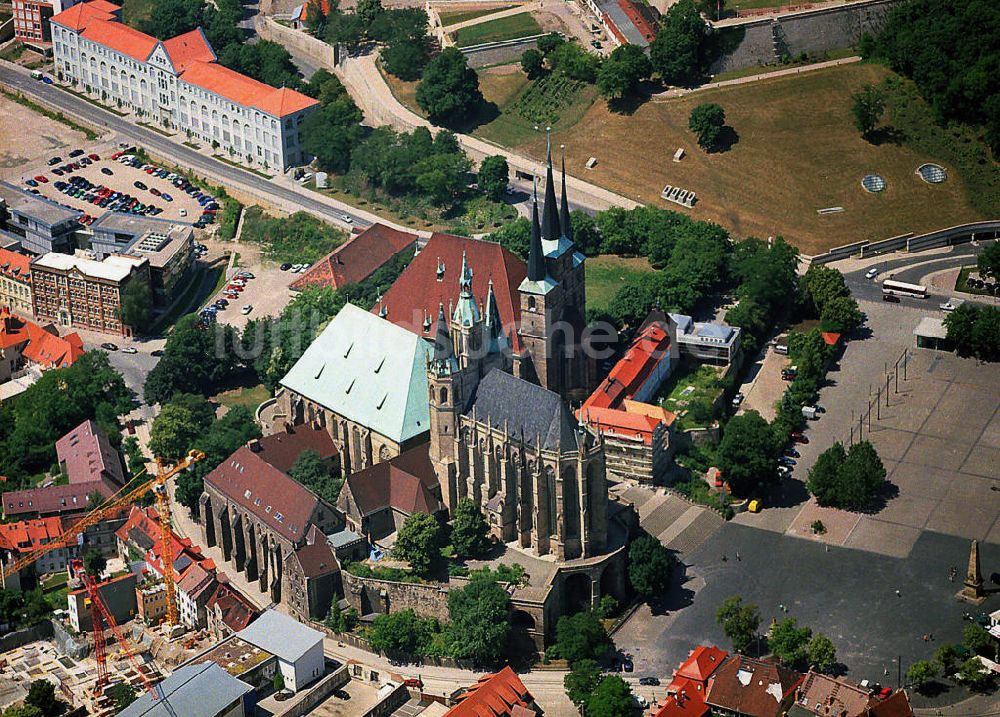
(299, 648)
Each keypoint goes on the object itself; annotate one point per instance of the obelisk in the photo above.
(973, 591)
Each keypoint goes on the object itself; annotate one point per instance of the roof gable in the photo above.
(403, 483)
(244, 90)
(496, 694)
(189, 47)
(357, 258)
(121, 38)
(369, 371)
(524, 408)
(79, 16)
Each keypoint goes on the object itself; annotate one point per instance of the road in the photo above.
(228, 175)
(909, 268)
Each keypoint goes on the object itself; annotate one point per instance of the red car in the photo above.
(414, 682)
(93, 157)
(799, 437)
(116, 155)
(41, 178)
(154, 191)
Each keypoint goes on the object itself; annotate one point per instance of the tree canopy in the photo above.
(707, 121)
(988, 261)
(739, 621)
(469, 531)
(314, 473)
(331, 132)
(650, 565)
(622, 72)
(680, 50)
(611, 698)
(195, 359)
(867, 106)
(221, 438)
(848, 479)
(449, 89)
(137, 305)
(419, 542)
(789, 641)
(479, 613)
(179, 423)
(748, 453)
(581, 681)
(494, 174)
(821, 653)
(580, 637)
(975, 331)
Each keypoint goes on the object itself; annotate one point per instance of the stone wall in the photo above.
(307, 702)
(17, 638)
(323, 54)
(811, 31)
(494, 53)
(368, 595)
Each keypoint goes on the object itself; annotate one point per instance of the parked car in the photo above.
(648, 681)
(154, 191)
(871, 273)
(786, 461)
(130, 350)
(949, 305)
(166, 197)
(54, 161)
(156, 352)
(738, 399)
(286, 266)
(41, 178)
(76, 153)
(139, 185)
(346, 218)
(792, 453)
(107, 171)
(93, 157)
(108, 346)
(414, 682)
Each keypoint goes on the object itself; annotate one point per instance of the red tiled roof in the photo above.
(897, 705)
(15, 265)
(638, 18)
(402, 483)
(418, 292)
(301, 14)
(754, 688)
(615, 422)
(26, 535)
(686, 700)
(830, 338)
(316, 557)
(830, 696)
(89, 456)
(244, 90)
(282, 449)
(13, 329)
(355, 260)
(121, 38)
(237, 611)
(701, 663)
(40, 347)
(493, 695)
(187, 48)
(146, 521)
(80, 16)
(54, 499)
(278, 500)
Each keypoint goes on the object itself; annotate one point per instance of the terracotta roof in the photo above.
(637, 17)
(26, 535)
(751, 687)
(702, 662)
(182, 553)
(187, 48)
(825, 695)
(687, 699)
(197, 581)
(13, 329)
(317, 559)
(420, 290)
(621, 424)
(830, 338)
(493, 695)
(15, 265)
(897, 705)
(121, 38)
(54, 499)
(402, 483)
(80, 16)
(356, 260)
(89, 456)
(50, 351)
(244, 90)
(300, 12)
(282, 449)
(279, 501)
(237, 611)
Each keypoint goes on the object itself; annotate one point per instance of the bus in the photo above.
(900, 288)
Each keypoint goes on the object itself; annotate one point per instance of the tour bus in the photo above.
(900, 288)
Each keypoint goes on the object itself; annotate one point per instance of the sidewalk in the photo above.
(682, 91)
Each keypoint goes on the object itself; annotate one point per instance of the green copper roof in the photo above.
(369, 371)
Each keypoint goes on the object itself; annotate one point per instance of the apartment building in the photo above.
(78, 292)
(31, 20)
(15, 282)
(178, 84)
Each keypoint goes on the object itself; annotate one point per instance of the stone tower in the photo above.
(973, 591)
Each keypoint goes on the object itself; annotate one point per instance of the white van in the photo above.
(781, 349)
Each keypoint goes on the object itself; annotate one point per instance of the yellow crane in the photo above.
(157, 484)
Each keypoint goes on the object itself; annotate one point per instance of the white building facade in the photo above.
(177, 83)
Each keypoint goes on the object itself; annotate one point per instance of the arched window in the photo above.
(531, 303)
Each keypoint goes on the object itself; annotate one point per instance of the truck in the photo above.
(810, 413)
(36, 75)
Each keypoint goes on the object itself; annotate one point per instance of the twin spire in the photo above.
(553, 226)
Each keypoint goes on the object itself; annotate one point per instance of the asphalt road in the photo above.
(160, 145)
(909, 268)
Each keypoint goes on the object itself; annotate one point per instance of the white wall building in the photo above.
(298, 647)
(177, 83)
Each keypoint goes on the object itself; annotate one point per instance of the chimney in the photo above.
(254, 445)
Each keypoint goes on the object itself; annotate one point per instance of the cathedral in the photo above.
(501, 432)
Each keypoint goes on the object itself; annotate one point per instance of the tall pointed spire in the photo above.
(565, 223)
(536, 260)
(465, 277)
(492, 312)
(550, 212)
(443, 347)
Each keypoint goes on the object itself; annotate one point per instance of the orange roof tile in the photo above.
(27, 535)
(187, 48)
(495, 694)
(244, 90)
(612, 421)
(50, 351)
(80, 16)
(121, 38)
(356, 259)
(14, 265)
(687, 700)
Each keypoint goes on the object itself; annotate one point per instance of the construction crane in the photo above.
(98, 612)
(157, 484)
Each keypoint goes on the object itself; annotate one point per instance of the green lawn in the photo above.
(607, 273)
(504, 28)
(688, 383)
(960, 282)
(247, 396)
(453, 17)
(298, 238)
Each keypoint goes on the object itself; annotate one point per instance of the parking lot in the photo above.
(117, 177)
(47, 137)
(362, 697)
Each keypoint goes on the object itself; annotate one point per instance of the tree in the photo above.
(532, 63)
(947, 657)
(748, 453)
(988, 262)
(442, 177)
(581, 681)
(449, 90)
(974, 674)
(137, 305)
(611, 698)
(847, 480)
(649, 566)
(824, 477)
(341, 620)
(95, 564)
(550, 42)
(122, 694)
(707, 121)
(978, 640)
(469, 531)
(179, 423)
(921, 673)
(739, 622)
(42, 695)
(23, 711)
(368, 10)
(621, 73)
(679, 48)
(479, 613)
(399, 631)
(169, 18)
(789, 641)
(345, 29)
(494, 174)
(821, 284)
(194, 360)
(573, 61)
(332, 131)
(314, 473)
(580, 637)
(315, 18)
(822, 653)
(514, 236)
(419, 542)
(841, 315)
(961, 324)
(278, 682)
(867, 107)
(405, 58)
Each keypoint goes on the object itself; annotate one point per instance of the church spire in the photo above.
(492, 313)
(465, 277)
(565, 223)
(536, 260)
(550, 212)
(444, 350)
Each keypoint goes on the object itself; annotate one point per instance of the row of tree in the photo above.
(975, 331)
(847, 479)
(956, 661)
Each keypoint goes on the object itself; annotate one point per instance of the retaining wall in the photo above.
(317, 693)
(811, 31)
(959, 234)
(12, 640)
(369, 595)
(389, 704)
(316, 50)
(493, 53)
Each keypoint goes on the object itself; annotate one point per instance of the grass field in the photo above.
(503, 28)
(797, 151)
(454, 17)
(608, 273)
(247, 396)
(764, 69)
